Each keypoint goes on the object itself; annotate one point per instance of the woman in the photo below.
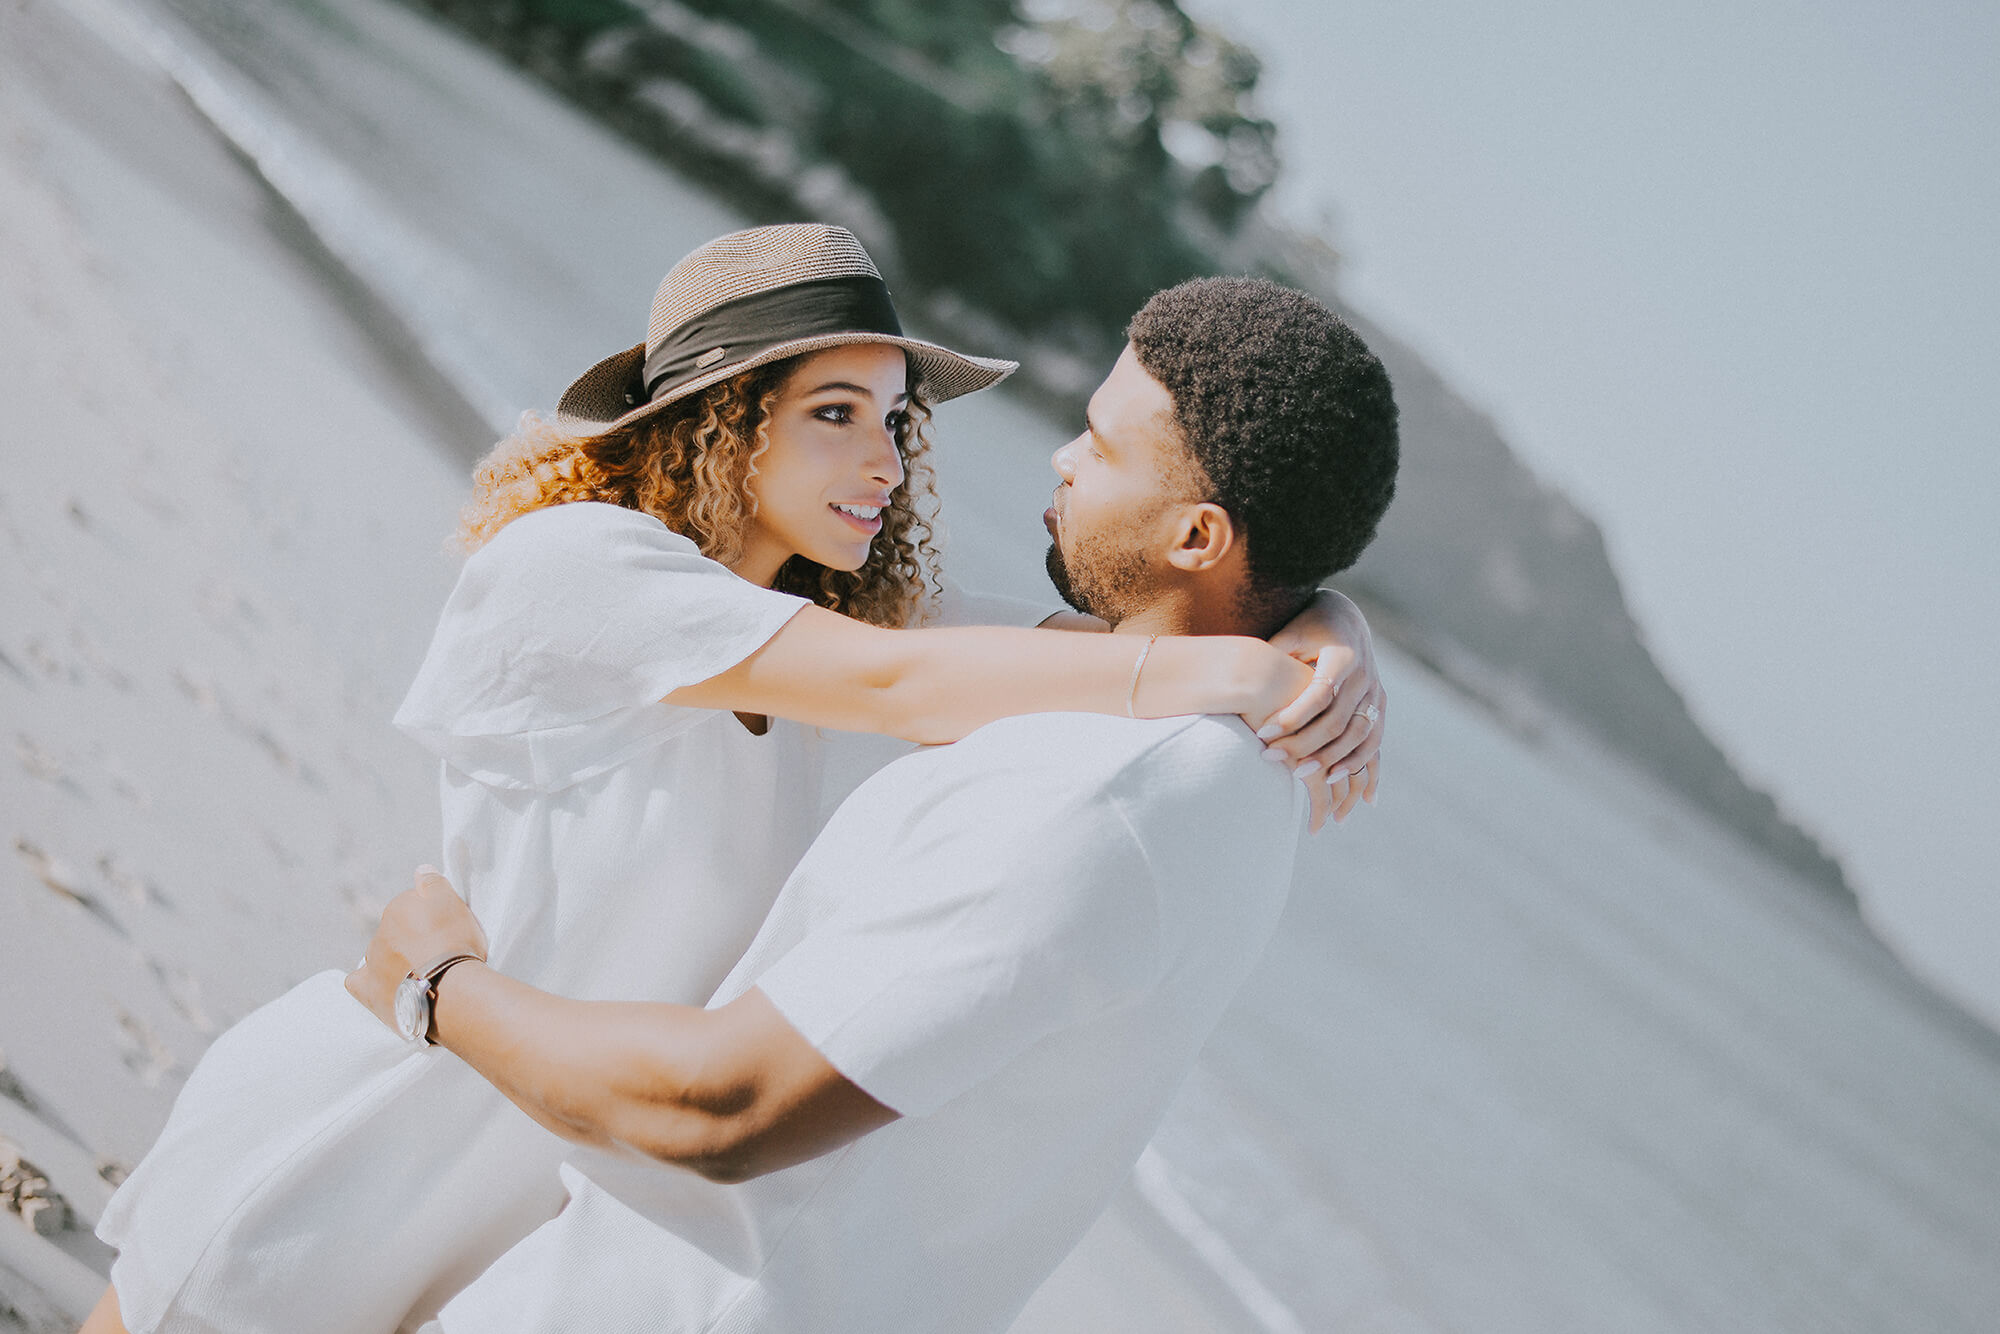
(702, 553)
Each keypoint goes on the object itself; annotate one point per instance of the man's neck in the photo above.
(1182, 614)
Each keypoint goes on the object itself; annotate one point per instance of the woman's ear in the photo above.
(1203, 538)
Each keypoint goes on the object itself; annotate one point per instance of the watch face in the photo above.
(413, 1009)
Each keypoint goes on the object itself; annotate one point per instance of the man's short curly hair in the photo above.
(1287, 412)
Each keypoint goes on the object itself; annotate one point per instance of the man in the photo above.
(980, 988)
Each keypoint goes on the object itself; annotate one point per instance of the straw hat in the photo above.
(751, 298)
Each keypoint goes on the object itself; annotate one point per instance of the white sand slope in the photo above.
(220, 525)
(1536, 1048)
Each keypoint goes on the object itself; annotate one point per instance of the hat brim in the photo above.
(601, 398)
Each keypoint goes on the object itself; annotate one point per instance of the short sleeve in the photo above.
(975, 942)
(564, 634)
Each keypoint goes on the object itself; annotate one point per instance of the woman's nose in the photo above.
(887, 463)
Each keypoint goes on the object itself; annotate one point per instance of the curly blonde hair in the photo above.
(690, 467)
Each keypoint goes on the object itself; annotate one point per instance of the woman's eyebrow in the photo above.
(846, 386)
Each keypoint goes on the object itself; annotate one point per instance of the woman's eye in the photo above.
(896, 421)
(840, 414)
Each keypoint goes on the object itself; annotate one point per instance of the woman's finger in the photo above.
(1337, 748)
(1361, 738)
(1319, 693)
(1321, 802)
(1350, 793)
(1337, 791)
(1312, 740)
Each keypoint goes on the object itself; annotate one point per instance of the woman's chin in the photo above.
(847, 557)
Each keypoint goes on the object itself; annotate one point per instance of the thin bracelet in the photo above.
(1132, 691)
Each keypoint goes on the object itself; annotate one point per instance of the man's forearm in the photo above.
(730, 1093)
(611, 1074)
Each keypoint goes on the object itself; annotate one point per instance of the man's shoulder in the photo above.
(1100, 747)
(1186, 764)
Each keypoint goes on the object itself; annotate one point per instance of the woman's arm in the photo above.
(937, 685)
(1337, 753)
(1336, 750)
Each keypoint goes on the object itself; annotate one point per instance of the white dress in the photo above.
(320, 1174)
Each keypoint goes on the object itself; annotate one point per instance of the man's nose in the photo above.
(1064, 461)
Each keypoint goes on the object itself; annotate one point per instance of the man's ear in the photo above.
(1204, 536)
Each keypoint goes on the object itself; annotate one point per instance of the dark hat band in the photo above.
(741, 329)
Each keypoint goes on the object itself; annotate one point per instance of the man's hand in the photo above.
(420, 927)
(1331, 734)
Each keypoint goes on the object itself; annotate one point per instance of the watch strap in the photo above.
(431, 976)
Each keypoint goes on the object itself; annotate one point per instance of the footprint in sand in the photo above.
(207, 698)
(64, 878)
(140, 889)
(123, 783)
(39, 762)
(94, 657)
(141, 1049)
(183, 992)
(12, 1089)
(51, 664)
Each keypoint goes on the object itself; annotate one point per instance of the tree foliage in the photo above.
(1050, 163)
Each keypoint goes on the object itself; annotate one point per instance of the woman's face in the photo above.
(824, 482)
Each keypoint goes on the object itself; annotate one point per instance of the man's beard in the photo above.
(1103, 580)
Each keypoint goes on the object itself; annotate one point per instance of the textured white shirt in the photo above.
(1019, 942)
(319, 1175)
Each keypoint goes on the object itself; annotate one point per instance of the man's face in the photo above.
(1122, 481)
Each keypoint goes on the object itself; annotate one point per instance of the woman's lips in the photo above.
(858, 524)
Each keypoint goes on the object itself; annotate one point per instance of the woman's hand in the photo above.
(421, 926)
(1331, 734)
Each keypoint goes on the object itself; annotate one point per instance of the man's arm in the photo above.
(730, 1093)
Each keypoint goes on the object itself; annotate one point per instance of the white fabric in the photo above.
(318, 1174)
(1020, 942)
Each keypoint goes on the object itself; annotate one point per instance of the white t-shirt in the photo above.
(585, 820)
(319, 1175)
(614, 845)
(1019, 942)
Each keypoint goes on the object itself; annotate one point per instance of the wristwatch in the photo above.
(417, 993)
